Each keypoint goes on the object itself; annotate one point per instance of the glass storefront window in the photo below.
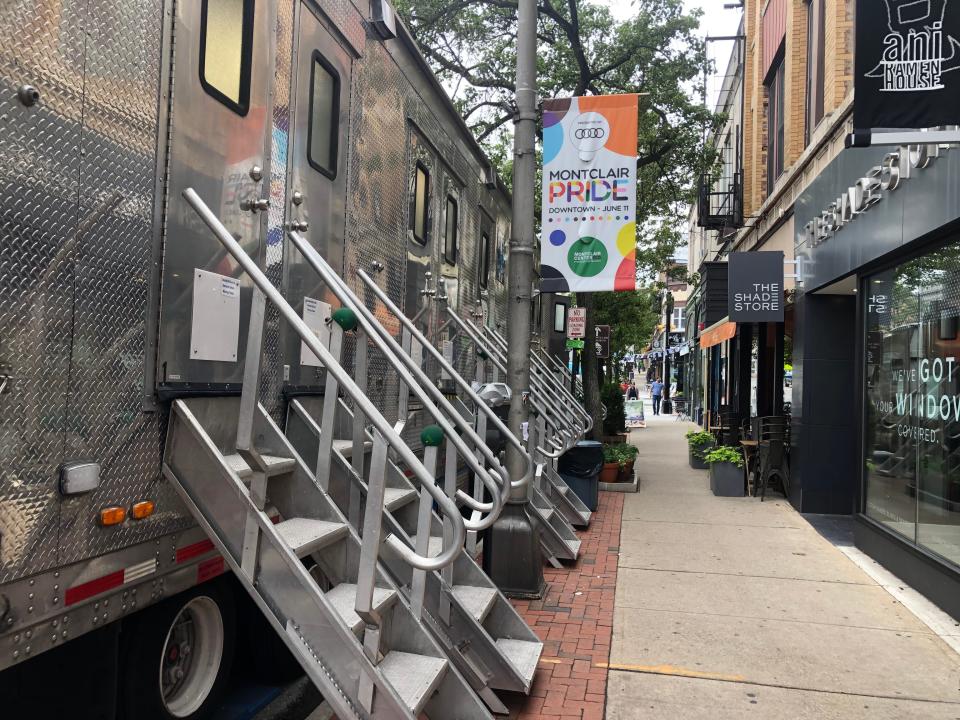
(912, 377)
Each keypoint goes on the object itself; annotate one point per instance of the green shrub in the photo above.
(616, 421)
(725, 453)
(699, 441)
(620, 453)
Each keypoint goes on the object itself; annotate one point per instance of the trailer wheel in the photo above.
(179, 655)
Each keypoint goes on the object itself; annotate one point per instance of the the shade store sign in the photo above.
(755, 286)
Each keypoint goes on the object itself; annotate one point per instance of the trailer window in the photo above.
(323, 133)
(484, 258)
(450, 233)
(421, 204)
(226, 39)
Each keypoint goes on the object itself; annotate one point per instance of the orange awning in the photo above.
(717, 334)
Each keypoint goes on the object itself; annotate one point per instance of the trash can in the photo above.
(580, 468)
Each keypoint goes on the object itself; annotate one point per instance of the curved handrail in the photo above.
(541, 366)
(457, 378)
(446, 505)
(498, 487)
(471, 331)
(568, 431)
(558, 407)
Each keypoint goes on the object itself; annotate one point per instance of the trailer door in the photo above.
(220, 126)
(318, 180)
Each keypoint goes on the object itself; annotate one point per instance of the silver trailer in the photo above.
(124, 320)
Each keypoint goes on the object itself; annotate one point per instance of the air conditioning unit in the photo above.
(384, 19)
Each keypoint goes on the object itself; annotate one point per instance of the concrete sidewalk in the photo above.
(732, 608)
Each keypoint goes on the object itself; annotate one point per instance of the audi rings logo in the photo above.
(584, 133)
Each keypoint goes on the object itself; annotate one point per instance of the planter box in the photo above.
(697, 462)
(726, 480)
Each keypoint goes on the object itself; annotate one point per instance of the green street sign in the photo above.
(575, 344)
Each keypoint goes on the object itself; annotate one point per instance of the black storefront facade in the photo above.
(876, 358)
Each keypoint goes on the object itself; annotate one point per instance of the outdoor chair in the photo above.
(774, 464)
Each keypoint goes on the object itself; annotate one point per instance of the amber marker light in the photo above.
(142, 509)
(112, 516)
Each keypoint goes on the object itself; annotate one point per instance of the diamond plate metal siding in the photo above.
(271, 375)
(39, 165)
(77, 183)
(104, 420)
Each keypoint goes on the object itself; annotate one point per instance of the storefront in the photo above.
(876, 380)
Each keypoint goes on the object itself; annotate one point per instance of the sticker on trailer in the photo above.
(215, 327)
(446, 347)
(316, 316)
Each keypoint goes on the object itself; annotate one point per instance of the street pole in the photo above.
(667, 407)
(512, 556)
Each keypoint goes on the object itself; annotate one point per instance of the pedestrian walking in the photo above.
(656, 390)
(632, 392)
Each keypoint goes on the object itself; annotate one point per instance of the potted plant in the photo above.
(726, 471)
(698, 443)
(615, 421)
(611, 463)
(628, 454)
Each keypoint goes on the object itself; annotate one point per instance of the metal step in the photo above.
(344, 597)
(345, 447)
(414, 677)
(275, 465)
(305, 536)
(475, 599)
(394, 498)
(523, 655)
(558, 539)
(465, 611)
(567, 502)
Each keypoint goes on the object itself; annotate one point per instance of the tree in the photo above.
(583, 50)
(631, 317)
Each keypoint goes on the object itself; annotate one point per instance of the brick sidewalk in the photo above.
(575, 621)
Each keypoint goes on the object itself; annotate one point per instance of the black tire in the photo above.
(266, 657)
(143, 642)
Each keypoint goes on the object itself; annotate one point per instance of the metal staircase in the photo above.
(557, 421)
(484, 636)
(324, 590)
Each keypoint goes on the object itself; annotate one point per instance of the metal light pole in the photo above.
(511, 551)
(667, 407)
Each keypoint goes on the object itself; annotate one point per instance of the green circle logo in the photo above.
(587, 257)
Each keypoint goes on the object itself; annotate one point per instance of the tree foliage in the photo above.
(584, 50)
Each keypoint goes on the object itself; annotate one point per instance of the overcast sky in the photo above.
(715, 21)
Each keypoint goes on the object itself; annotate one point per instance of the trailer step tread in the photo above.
(275, 465)
(345, 447)
(475, 599)
(305, 535)
(522, 654)
(414, 677)
(394, 498)
(343, 597)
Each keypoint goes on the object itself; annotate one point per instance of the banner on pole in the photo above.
(589, 230)
(906, 64)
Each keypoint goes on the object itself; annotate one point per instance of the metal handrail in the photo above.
(549, 388)
(542, 365)
(457, 377)
(404, 365)
(446, 505)
(551, 414)
(569, 432)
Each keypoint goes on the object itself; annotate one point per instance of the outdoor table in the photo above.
(750, 448)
